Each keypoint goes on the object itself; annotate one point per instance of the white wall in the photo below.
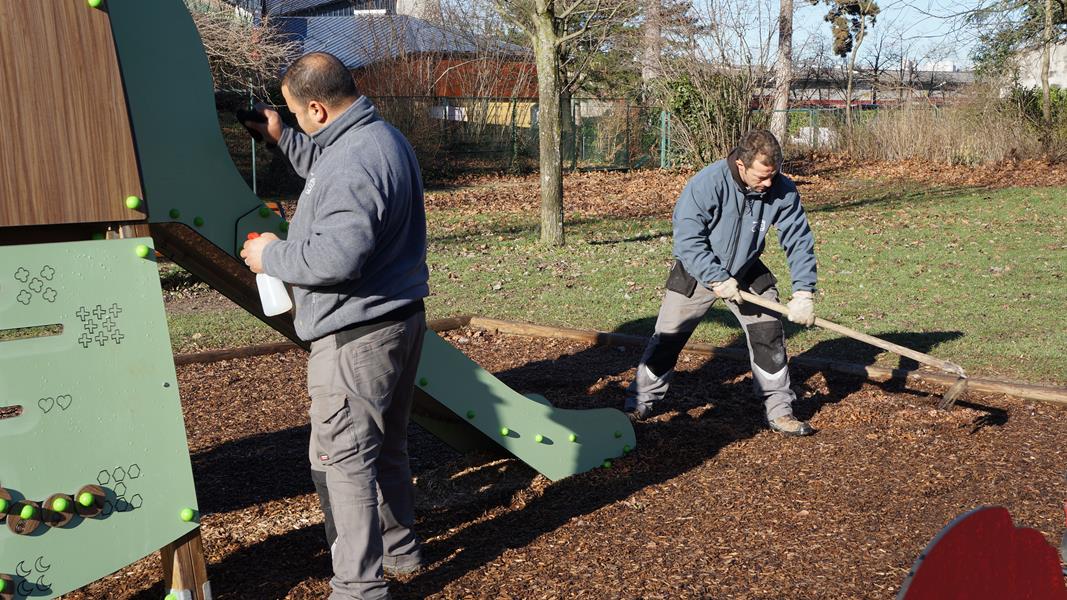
(1029, 64)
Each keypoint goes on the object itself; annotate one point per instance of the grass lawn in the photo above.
(975, 277)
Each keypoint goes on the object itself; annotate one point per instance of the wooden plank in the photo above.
(68, 154)
(1028, 391)
(184, 568)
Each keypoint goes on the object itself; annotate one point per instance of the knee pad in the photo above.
(667, 347)
(767, 339)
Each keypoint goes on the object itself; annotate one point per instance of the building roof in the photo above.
(360, 40)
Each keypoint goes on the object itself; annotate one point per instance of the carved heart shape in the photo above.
(64, 401)
(46, 404)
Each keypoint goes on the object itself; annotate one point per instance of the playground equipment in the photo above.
(125, 158)
(982, 555)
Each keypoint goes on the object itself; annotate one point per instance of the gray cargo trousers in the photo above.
(679, 316)
(361, 392)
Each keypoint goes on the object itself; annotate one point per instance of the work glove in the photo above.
(727, 290)
(802, 308)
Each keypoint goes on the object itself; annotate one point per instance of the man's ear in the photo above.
(317, 111)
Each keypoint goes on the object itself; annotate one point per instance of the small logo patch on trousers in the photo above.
(324, 457)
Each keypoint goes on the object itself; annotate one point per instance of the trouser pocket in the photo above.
(333, 435)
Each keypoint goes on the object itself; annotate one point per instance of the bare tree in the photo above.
(783, 71)
(242, 53)
(557, 28)
(849, 20)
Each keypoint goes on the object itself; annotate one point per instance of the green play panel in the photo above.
(85, 355)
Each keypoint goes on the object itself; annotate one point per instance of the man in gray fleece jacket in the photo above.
(720, 228)
(356, 258)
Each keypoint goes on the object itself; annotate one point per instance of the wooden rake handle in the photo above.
(863, 337)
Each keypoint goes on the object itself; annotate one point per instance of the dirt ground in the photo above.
(710, 505)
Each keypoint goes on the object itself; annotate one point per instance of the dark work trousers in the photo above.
(361, 392)
(679, 316)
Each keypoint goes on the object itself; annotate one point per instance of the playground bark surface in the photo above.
(710, 505)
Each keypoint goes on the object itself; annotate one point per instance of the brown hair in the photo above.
(757, 143)
(322, 77)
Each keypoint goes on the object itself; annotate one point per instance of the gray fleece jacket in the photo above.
(356, 247)
(720, 227)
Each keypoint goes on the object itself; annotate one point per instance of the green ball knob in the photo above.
(27, 512)
(60, 505)
(423, 382)
(607, 464)
(572, 437)
(96, 3)
(626, 449)
(264, 212)
(142, 250)
(3, 585)
(539, 438)
(470, 414)
(187, 514)
(86, 499)
(133, 202)
(618, 434)
(4, 505)
(170, 597)
(175, 213)
(198, 221)
(504, 431)
(283, 226)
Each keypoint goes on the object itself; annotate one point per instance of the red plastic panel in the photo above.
(982, 555)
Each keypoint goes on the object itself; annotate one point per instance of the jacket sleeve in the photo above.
(796, 239)
(343, 235)
(299, 148)
(694, 214)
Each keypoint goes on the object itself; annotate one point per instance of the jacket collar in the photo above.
(360, 113)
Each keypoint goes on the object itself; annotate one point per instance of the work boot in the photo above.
(790, 425)
(401, 566)
(635, 410)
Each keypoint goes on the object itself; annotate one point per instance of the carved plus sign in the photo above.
(115, 310)
(109, 325)
(101, 338)
(82, 313)
(117, 337)
(85, 339)
(99, 312)
(90, 326)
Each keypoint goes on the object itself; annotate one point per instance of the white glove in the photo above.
(727, 290)
(802, 308)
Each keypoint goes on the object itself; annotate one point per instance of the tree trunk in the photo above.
(783, 72)
(848, 87)
(1046, 98)
(652, 43)
(546, 52)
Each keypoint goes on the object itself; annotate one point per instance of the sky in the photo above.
(921, 26)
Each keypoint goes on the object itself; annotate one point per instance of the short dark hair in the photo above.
(322, 77)
(760, 142)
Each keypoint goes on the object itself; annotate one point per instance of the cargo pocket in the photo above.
(332, 433)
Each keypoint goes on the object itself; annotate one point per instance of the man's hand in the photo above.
(727, 290)
(802, 308)
(272, 129)
(252, 251)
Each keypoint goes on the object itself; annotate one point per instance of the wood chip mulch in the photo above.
(710, 505)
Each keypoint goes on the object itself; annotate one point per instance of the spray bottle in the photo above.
(272, 292)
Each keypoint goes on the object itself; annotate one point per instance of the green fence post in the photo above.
(663, 139)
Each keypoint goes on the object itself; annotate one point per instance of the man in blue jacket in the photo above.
(356, 258)
(720, 227)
